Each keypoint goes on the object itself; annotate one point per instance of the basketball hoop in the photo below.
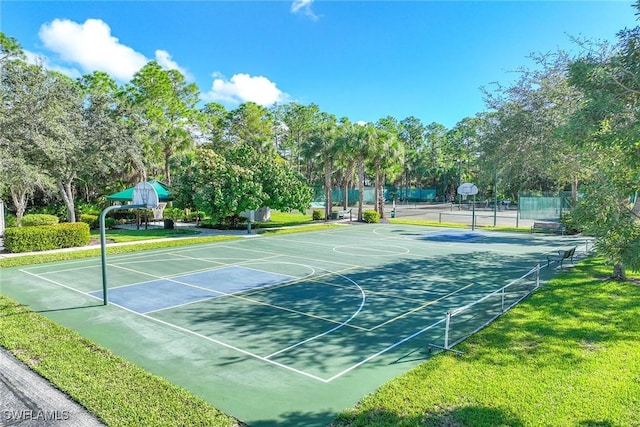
(146, 195)
(467, 189)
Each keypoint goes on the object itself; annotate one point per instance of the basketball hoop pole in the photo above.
(103, 244)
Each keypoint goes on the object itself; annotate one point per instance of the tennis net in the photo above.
(463, 322)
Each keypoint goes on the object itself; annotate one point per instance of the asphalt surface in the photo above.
(27, 399)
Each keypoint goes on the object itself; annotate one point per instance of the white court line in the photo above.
(180, 328)
(369, 250)
(362, 301)
(243, 297)
(60, 284)
(245, 352)
(391, 347)
(184, 304)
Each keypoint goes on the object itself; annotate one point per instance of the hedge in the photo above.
(31, 220)
(46, 237)
(92, 220)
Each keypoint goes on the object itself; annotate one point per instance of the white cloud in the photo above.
(304, 7)
(34, 58)
(244, 88)
(93, 48)
(164, 59)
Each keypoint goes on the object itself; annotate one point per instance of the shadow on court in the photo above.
(291, 329)
(53, 310)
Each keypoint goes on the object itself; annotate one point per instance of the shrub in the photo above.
(110, 222)
(10, 221)
(317, 214)
(370, 216)
(45, 237)
(175, 214)
(90, 209)
(570, 225)
(32, 220)
(92, 220)
(195, 216)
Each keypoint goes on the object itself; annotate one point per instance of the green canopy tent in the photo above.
(164, 196)
(127, 195)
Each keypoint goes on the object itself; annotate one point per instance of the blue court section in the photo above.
(161, 294)
(453, 236)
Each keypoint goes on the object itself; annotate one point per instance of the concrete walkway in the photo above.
(27, 399)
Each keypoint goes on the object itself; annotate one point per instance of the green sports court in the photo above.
(291, 329)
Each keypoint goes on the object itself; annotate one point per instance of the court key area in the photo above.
(290, 329)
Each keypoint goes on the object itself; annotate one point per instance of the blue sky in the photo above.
(360, 59)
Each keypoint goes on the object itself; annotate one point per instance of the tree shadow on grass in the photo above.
(476, 416)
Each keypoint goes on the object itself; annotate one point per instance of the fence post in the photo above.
(1, 218)
(446, 331)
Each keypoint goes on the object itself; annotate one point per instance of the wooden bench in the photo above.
(562, 255)
(555, 227)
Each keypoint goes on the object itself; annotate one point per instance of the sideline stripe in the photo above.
(180, 328)
(391, 347)
(427, 304)
(362, 301)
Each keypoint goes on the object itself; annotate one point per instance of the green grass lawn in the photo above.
(120, 235)
(285, 219)
(455, 225)
(567, 356)
(116, 391)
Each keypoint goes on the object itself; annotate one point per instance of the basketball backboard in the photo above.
(145, 194)
(467, 189)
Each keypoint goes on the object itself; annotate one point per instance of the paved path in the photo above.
(27, 399)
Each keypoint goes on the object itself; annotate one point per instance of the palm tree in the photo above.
(386, 156)
(322, 146)
(359, 138)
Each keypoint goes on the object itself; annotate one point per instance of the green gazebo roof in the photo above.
(127, 195)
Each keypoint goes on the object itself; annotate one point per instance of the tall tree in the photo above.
(300, 121)
(214, 121)
(359, 138)
(386, 157)
(608, 126)
(412, 134)
(523, 139)
(252, 124)
(167, 106)
(19, 178)
(245, 179)
(322, 145)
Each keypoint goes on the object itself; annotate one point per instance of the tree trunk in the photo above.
(327, 188)
(347, 183)
(19, 199)
(618, 272)
(636, 206)
(376, 191)
(360, 185)
(67, 196)
(167, 169)
(381, 194)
